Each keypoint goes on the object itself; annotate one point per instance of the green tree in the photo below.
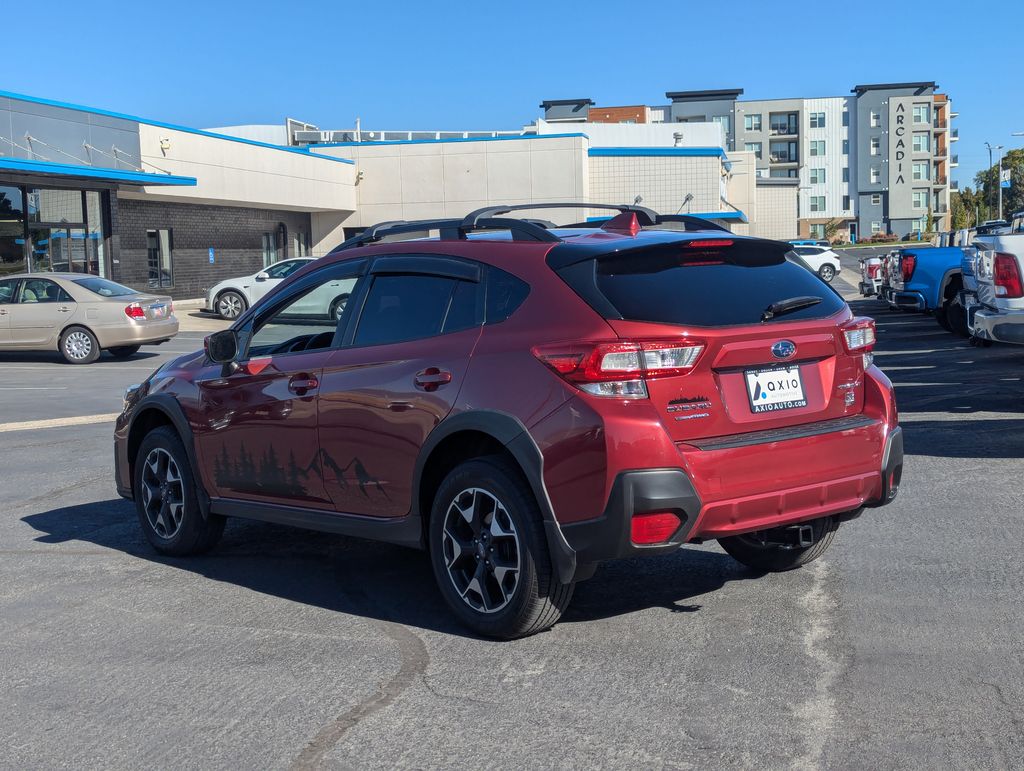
(1013, 197)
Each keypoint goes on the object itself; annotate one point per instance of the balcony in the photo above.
(940, 208)
(941, 151)
(954, 185)
(940, 125)
(954, 160)
(954, 135)
(940, 181)
(782, 158)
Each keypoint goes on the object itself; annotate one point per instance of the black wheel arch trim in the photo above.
(510, 432)
(169, 406)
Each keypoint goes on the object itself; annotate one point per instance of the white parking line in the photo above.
(77, 420)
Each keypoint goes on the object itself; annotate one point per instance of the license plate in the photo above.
(158, 311)
(778, 388)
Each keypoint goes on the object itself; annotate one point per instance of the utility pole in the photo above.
(999, 169)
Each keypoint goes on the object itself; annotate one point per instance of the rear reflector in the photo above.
(653, 527)
(859, 334)
(134, 311)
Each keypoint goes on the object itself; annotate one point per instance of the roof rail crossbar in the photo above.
(450, 229)
(492, 211)
(692, 223)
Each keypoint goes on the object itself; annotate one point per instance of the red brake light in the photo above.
(620, 368)
(653, 527)
(711, 243)
(873, 271)
(859, 334)
(907, 265)
(134, 311)
(1006, 276)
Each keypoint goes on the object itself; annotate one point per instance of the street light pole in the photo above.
(999, 182)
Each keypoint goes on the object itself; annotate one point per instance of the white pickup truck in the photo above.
(998, 315)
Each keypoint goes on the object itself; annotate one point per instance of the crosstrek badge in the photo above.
(779, 388)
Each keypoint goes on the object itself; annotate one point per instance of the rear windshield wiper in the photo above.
(781, 307)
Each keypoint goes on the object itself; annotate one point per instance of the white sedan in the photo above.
(231, 297)
(822, 260)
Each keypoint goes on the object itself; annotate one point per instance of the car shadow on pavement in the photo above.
(53, 357)
(378, 580)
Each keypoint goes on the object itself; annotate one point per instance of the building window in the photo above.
(922, 114)
(846, 117)
(782, 152)
(876, 145)
(270, 253)
(846, 173)
(753, 147)
(752, 122)
(817, 230)
(783, 122)
(846, 203)
(920, 199)
(921, 170)
(817, 120)
(922, 225)
(876, 199)
(876, 120)
(818, 147)
(876, 175)
(817, 176)
(922, 143)
(300, 244)
(724, 121)
(160, 257)
(784, 173)
(817, 203)
(876, 227)
(846, 147)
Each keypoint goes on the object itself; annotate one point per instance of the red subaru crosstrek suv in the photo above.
(525, 402)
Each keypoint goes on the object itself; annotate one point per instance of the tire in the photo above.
(230, 305)
(124, 351)
(504, 515)
(826, 273)
(169, 515)
(79, 346)
(942, 317)
(338, 306)
(775, 558)
(957, 315)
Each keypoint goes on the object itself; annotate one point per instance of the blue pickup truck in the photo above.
(930, 280)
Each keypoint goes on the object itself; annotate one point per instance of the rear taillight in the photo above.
(907, 265)
(874, 270)
(653, 527)
(620, 369)
(1006, 276)
(134, 311)
(859, 337)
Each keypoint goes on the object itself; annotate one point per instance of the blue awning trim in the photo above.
(630, 152)
(48, 168)
(503, 138)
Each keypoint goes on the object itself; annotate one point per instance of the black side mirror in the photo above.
(222, 347)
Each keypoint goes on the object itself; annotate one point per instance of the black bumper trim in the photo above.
(634, 492)
(834, 425)
(892, 468)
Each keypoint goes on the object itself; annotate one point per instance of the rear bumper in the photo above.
(724, 490)
(868, 288)
(137, 334)
(911, 301)
(999, 326)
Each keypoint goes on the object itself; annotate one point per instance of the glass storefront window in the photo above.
(46, 205)
(12, 230)
(94, 242)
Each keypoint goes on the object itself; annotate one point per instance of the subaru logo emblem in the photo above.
(783, 349)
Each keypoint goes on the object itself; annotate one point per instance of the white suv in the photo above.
(232, 296)
(822, 260)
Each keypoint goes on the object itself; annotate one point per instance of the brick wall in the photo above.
(235, 233)
(634, 114)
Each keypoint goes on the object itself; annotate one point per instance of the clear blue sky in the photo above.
(488, 65)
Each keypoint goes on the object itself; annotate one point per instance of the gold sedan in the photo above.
(80, 315)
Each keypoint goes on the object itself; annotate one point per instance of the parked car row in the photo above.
(976, 291)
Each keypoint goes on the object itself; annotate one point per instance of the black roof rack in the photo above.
(526, 229)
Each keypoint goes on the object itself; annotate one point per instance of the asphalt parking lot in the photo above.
(288, 649)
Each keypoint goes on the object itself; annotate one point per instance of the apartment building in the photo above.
(877, 161)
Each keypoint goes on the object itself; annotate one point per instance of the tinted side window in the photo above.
(505, 293)
(7, 289)
(464, 311)
(43, 291)
(401, 308)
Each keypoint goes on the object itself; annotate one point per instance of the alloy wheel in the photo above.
(828, 272)
(78, 345)
(229, 306)
(163, 492)
(481, 550)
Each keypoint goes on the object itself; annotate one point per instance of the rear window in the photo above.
(712, 288)
(104, 288)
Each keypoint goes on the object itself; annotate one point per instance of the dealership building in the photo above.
(176, 209)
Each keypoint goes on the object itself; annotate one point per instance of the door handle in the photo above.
(432, 378)
(303, 384)
(64, 309)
